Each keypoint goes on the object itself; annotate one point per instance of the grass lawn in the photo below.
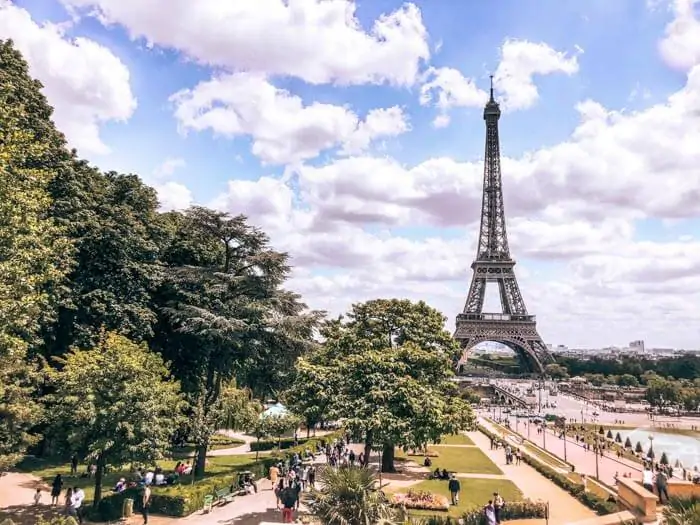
(47, 470)
(456, 439)
(464, 460)
(475, 493)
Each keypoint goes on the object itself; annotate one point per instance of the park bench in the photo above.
(208, 502)
(223, 495)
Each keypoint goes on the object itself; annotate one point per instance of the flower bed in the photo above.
(421, 500)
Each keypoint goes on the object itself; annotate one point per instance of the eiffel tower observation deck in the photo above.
(513, 326)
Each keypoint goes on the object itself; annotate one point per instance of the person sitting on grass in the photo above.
(427, 462)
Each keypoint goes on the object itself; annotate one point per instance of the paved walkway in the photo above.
(563, 507)
(584, 460)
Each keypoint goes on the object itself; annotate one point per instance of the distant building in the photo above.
(637, 346)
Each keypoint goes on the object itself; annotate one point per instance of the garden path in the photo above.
(563, 507)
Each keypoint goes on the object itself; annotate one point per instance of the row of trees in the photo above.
(680, 367)
(121, 326)
(98, 290)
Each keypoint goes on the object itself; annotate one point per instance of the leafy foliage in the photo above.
(347, 496)
(386, 373)
(115, 403)
(32, 252)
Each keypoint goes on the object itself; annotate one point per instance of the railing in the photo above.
(496, 317)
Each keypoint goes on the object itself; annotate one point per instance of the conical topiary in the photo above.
(638, 448)
(601, 430)
(664, 459)
(628, 442)
(650, 453)
(618, 438)
(609, 435)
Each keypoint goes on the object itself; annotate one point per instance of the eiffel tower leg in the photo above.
(475, 299)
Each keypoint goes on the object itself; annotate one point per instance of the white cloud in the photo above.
(282, 128)
(173, 196)
(446, 88)
(85, 82)
(572, 207)
(320, 41)
(680, 47)
(168, 168)
(520, 62)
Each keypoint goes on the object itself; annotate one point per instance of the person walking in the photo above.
(289, 501)
(68, 503)
(490, 513)
(454, 488)
(56, 487)
(78, 497)
(498, 505)
(74, 465)
(274, 475)
(662, 486)
(145, 503)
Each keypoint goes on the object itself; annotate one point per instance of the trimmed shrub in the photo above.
(664, 459)
(609, 435)
(273, 444)
(628, 443)
(638, 448)
(592, 501)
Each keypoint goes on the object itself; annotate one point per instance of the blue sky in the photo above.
(585, 182)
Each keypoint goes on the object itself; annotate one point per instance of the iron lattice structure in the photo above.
(513, 326)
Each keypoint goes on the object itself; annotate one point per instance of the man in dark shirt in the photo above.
(288, 497)
(454, 487)
(662, 486)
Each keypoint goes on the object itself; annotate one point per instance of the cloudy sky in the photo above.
(352, 132)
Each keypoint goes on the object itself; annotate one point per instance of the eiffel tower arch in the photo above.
(513, 326)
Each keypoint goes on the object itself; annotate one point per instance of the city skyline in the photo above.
(352, 134)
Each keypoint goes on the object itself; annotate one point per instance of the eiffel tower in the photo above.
(513, 327)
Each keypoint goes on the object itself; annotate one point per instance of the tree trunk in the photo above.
(368, 447)
(98, 480)
(257, 449)
(388, 458)
(308, 431)
(201, 463)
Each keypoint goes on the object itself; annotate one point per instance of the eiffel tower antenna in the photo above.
(513, 326)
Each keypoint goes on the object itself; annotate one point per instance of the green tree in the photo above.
(260, 428)
(388, 369)
(310, 396)
(627, 380)
(618, 438)
(281, 425)
(662, 393)
(347, 496)
(223, 313)
(609, 435)
(664, 459)
(556, 371)
(638, 448)
(115, 403)
(628, 443)
(32, 251)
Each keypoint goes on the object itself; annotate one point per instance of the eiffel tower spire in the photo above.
(493, 240)
(513, 326)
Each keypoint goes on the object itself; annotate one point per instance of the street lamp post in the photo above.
(544, 435)
(595, 450)
(650, 454)
(564, 440)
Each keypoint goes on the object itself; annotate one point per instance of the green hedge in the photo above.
(182, 500)
(516, 510)
(273, 444)
(590, 500)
